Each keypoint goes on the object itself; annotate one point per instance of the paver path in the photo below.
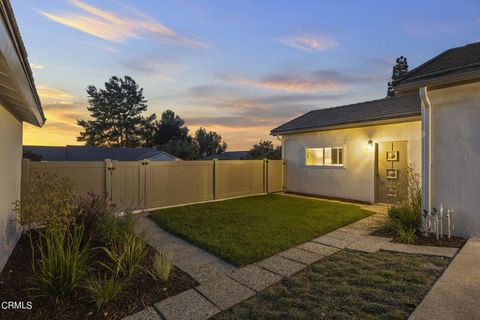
(223, 286)
(456, 295)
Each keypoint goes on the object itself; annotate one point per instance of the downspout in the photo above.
(428, 106)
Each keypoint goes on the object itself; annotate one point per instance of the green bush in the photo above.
(405, 215)
(48, 200)
(162, 264)
(126, 255)
(103, 289)
(62, 262)
(90, 210)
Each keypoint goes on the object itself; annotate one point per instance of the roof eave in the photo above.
(27, 106)
(407, 118)
(439, 81)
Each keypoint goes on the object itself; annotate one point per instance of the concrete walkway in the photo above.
(222, 285)
(456, 295)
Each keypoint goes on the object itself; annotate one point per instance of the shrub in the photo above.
(162, 264)
(405, 215)
(90, 210)
(126, 254)
(62, 262)
(48, 200)
(103, 289)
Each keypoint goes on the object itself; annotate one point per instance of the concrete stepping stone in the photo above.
(188, 305)
(348, 236)
(302, 256)
(255, 277)
(146, 314)
(369, 244)
(281, 266)
(225, 292)
(355, 230)
(318, 248)
(334, 242)
(425, 250)
(210, 271)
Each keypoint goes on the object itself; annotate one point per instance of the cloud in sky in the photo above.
(132, 24)
(287, 82)
(61, 126)
(52, 95)
(323, 80)
(310, 43)
(156, 67)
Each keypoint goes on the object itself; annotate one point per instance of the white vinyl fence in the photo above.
(153, 184)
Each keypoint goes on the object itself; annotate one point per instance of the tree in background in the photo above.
(209, 143)
(31, 155)
(117, 115)
(265, 149)
(183, 149)
(399, 70)
(170, 127)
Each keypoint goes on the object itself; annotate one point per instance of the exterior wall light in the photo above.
(370, 145)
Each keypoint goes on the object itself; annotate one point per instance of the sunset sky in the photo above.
(237, 67)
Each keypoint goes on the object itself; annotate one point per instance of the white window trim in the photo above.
(325, 166)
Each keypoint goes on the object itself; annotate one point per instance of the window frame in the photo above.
(323, 165)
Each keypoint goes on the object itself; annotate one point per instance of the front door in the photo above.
(392, 162)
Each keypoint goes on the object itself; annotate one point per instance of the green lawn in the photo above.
(347, 285)
(247, 230)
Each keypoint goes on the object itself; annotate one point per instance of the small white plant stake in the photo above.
(441, 220)
(449, 212)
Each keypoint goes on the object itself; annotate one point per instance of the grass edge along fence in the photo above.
(153, 184)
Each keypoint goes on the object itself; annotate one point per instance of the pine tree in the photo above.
(399, 70)
(116, 113)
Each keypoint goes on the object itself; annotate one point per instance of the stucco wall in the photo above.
(456, 154)
(10, 173)
(356, 180)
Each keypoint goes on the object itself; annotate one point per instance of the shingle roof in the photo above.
(455, 60)
(375, 110)
(87, 153)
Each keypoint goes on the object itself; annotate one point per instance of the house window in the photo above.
(326, 157)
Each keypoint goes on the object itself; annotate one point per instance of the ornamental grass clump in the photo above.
(103, 288)
(62, 262)
(126, 255)
(162, 265)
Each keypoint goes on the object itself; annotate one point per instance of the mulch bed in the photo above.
(143, 291)
(431, 240)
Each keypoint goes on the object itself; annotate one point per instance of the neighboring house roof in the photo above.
(19, 93)
(87, 153)
(354, 114)
(228, 155)
(450, 64)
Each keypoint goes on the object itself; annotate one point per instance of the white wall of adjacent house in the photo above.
(456, 154)
(356, 179)
(10, 174)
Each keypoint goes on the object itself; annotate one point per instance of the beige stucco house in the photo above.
(19, 102)
(359, 151)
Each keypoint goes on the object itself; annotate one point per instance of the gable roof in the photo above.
(401, 107)
(88, 153)
(452, 62)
